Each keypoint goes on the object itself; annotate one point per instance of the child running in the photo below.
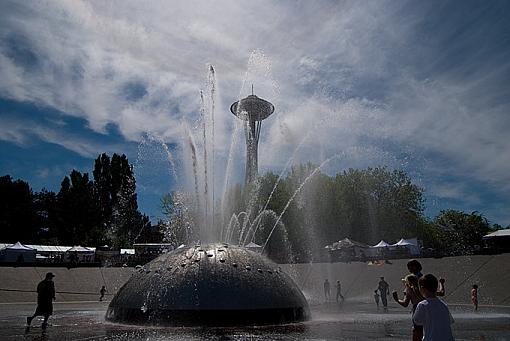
(432, 313)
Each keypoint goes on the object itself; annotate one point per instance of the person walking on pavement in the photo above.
(474, 296)
(327, 290)
(339, 291)
(102, 292)
(384, 291)
(45, 298)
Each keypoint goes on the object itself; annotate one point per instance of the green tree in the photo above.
(79, 216)
(179, 226)
(115, 187)
(103, 186)
(18, 216)
(462, 231)
(46, 206)
(365, 205)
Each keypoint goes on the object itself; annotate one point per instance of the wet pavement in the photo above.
(350, 321)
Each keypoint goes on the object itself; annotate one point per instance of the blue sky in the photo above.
(415, 85)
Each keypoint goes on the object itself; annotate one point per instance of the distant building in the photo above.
(497, 241)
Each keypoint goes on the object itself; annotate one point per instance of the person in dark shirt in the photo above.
(45, 297)
(102, 292)
(384, 290)
(327, 291)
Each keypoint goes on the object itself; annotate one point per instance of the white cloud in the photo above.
(341, 72)
(23, 133)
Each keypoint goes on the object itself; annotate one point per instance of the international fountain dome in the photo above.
(215, 284)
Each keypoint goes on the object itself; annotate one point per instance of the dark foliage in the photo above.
(83, 212)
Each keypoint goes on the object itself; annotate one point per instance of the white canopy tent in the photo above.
(253, 247)
(382, 243)
(410, 244)
(80, 253)
(18, 253)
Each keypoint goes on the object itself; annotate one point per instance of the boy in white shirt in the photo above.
(432, 313)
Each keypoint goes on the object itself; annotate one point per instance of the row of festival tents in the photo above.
(19, 253)
(410, 244)
(348, 248)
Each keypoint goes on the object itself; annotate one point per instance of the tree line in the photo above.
(101, 210)
(365, 205)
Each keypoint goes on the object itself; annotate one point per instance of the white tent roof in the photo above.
(382, 243)
(50, 248)
(45, 248)
(79, 249)
(19, 247)
(404, 242)
(127, 251)
(252, 245)
(498, 233)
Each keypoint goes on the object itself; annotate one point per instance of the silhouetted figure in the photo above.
(415, 268)
(474, 296)
(384, 291)
(327, 290)
(376, 298)
(339, 291)
(102, 292)
(45, 297)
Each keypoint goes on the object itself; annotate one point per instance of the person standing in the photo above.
(384, 291)
(327, 290)
(45, 298)
(474, 296)
(339, 291)
(376, 298)
(102, 292)
(432, 313)
(412, 295)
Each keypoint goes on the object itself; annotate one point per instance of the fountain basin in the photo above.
(214, 284)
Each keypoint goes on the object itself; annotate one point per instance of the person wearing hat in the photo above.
(45, 297)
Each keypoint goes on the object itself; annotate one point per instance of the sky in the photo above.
(421, 86)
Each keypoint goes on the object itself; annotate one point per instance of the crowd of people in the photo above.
(431, 318)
